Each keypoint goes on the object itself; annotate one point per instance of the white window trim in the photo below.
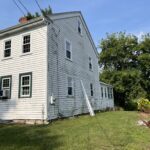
(6, 49)
(71, 86)
(66, 40)
(26, 34)
(29, 85)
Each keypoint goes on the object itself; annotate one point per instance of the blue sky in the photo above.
(132, 16)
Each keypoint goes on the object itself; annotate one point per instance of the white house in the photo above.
(42, 64)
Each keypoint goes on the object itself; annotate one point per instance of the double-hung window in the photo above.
(102, 92)
(70, 86)
(7, 50)
(91, 89)
(25, 82)
(105, 92)
(6, 86)
(79, 28)
(90, 63)
(26, 44)
(68, 50)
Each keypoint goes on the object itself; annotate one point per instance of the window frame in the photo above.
(21, 75)
(80, 26)
(27, 34)
(10, 84)
(68, 50)
(91, 89)
(90, 64)
(4, 49)
(72, 86)
(102, 92)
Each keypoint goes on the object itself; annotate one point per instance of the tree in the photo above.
(45, 12)
(120, 61)
(144, 63)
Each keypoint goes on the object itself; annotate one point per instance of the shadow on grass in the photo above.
(20, 137)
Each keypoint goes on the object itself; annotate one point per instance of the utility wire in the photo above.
(18, 7)
(38, 5)
(23, 6)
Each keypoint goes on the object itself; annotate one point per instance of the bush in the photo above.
(144, 105)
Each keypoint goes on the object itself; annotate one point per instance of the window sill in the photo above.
(25, 54)
(69, 59)
(7, 58)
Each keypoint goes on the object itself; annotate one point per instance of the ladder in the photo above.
(87, 100)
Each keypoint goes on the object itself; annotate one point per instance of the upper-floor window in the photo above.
(26, 44)
(70, 86)
(68, 50)
(90, 63)
(91, 89)
(7, 50)
(79, 28)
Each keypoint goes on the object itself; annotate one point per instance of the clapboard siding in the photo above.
(78, 69)
(35, 62)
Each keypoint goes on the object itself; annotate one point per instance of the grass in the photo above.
(107, 131)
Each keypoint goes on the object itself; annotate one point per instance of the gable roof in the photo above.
(40, 20)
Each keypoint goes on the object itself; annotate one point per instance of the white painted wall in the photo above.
(35, 62)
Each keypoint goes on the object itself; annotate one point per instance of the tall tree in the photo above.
(119, 59)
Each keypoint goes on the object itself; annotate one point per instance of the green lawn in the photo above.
(107, 131)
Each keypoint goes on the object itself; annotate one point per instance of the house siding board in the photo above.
(25, 108)
(78, 69)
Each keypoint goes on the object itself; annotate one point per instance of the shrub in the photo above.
(144, 105)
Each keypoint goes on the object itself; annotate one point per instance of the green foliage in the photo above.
(45, 12)
(143, 105)
(126, 65)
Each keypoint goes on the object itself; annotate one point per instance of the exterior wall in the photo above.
(35, 62)
(105, 101)
(78, 69)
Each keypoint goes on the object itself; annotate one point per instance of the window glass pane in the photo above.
(25, 80)
(25, 91)
(68, 46)
(7, 44)
(26, 39)
(102, 92)
(7, 53)
(70, 91)
(68, 54)
(26, 48)
(6, 83)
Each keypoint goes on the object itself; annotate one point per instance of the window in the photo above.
(7, 50)
(26, 44)
(70, 86)
(68, 50)
(111, 93)
(91, 89)
(105, 92)
(108, 92)
(102, 92)
(90, 63)
(6, 86)
(25, 82)
(79, 28)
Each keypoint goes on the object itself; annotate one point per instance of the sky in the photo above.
(101, 16)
